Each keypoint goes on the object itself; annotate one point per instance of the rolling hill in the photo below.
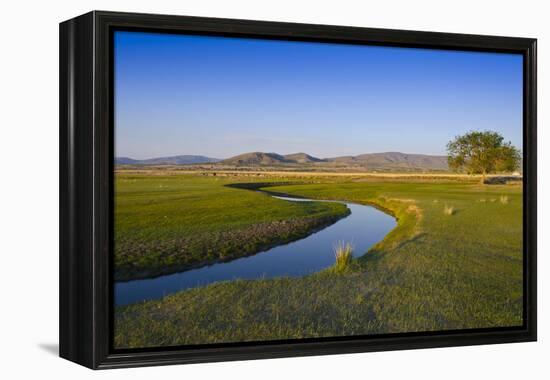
(257, 158)
(394, 161)
(172, 160)
(302, 158)
(261, 158)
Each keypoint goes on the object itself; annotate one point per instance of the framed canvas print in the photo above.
(238, 189)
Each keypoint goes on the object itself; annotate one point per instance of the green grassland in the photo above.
(166, 223)
(454, 261)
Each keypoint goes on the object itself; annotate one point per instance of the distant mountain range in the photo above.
(369, 161)
(394, 160)
(172, 160)
(261, 158)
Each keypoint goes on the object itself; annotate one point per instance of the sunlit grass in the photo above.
(432, 272)
(343, 253)
(167, 223)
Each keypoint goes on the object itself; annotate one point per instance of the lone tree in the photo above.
(482, 153)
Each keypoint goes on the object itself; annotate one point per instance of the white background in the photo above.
(29, 187)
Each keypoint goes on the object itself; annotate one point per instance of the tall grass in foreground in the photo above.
(343, 254)
(448, 210)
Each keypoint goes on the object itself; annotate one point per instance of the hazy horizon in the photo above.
(220, 97)
(282, 154)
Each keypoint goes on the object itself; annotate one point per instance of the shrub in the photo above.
(343, 254)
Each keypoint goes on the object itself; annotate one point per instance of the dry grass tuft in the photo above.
(448, 210)
(504, 199)
(414, 209)
(343, 254)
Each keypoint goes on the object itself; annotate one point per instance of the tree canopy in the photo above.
(482, 153)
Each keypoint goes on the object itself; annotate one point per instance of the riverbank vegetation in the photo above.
(167, 224)
(432, 272)
(343, 256)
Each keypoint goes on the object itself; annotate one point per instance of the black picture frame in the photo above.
(86, 188)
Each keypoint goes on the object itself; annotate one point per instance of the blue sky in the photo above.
(219, 96)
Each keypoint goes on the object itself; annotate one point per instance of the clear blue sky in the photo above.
(219, 96)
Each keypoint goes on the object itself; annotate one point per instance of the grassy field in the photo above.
(454, 261)
(167, 223)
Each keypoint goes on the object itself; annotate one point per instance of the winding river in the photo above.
(364, 227)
